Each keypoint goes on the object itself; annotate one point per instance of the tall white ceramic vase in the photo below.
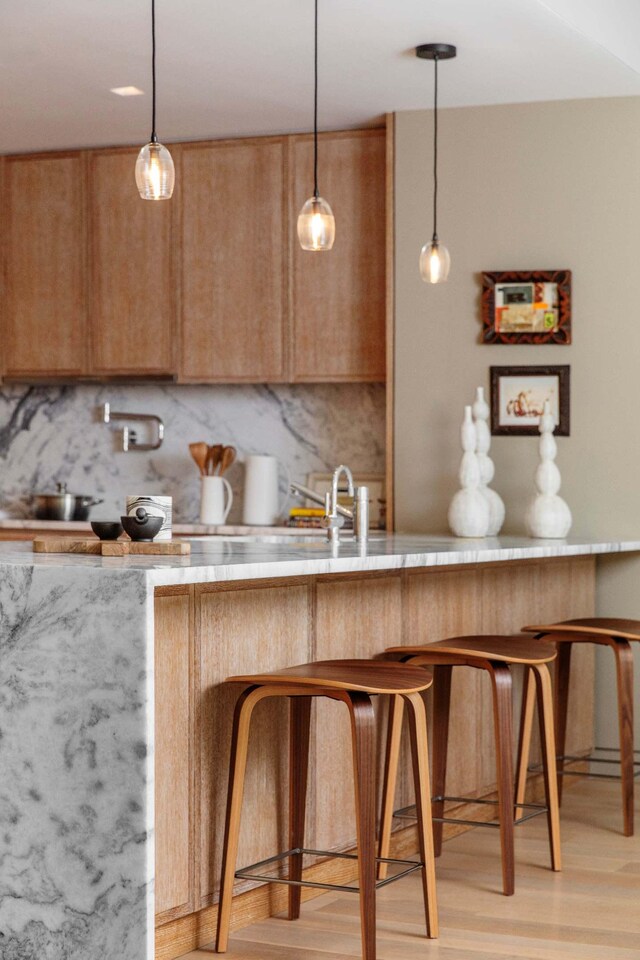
(495, 502)
(548, 516)
(469, 510)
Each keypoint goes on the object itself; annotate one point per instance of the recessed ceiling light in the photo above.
(127, 91)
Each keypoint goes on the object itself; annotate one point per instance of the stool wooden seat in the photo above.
(616, 633)
(495, 654)
(353, 682)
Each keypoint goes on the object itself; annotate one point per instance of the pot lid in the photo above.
(61, 491)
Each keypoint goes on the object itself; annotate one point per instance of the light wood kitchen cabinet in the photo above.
(43, 309)
(338, 296)
(132, 302)
(233, 261)
(209, 287)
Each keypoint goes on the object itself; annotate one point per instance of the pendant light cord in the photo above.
(435, 152)
(154, 138)
(315, 106)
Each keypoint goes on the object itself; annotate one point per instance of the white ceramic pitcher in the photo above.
(263, 505)
(213, 509)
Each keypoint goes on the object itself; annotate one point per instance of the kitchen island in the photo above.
(115, 723)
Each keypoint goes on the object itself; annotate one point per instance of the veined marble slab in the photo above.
(55, 433)
(224, 558)
(77, 726)
(76, 781)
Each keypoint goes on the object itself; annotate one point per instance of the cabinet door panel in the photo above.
(244, 631)
(446, 604)
(173, 756)
(354, 618)
(44, 303)
(233, 262)
(339, 295)
(133, 302)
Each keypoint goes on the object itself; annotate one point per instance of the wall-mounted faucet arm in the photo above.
(129, 439)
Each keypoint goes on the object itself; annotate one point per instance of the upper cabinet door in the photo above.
(44, 240)
(338, 296)
(233, 261)
(132, 277)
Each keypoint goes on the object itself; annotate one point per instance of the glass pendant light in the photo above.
(155, 173)
(435, 261)
(316, 223)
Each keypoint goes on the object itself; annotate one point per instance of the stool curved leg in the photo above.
(524, 739)
(363, 730)
(561, 705)
(547, 741)
(440, 729)
(300, 719)
(238, 765)
(420, 762)
(390, 778)
(624, 673)
(502, 715)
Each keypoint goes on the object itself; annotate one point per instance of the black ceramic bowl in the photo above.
(139, 530)
(106, 529)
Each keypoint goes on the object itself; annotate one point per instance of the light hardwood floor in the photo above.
(590, 911)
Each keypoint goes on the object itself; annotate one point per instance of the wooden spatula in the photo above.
(214, 456)
(199, 453)
(228, 457)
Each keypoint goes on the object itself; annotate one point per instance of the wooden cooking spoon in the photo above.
(214, 456)
(228, 457)
(199, 453)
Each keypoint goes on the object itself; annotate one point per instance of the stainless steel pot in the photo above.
(62, 505)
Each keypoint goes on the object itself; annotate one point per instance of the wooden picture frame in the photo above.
(517, 399)
(526, 306)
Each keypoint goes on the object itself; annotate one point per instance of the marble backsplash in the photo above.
(52, 434)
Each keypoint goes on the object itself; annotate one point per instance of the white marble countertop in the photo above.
(219, 559)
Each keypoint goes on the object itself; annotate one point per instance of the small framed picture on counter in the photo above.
(526, 306)
(518, 396)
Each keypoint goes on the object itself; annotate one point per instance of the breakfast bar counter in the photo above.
(115, 722)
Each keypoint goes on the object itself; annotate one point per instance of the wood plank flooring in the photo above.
(590, 911)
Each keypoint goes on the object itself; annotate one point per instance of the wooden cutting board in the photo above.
(112, 548)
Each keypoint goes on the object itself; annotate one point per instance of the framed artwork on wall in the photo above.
(518, 395)
(526, 306)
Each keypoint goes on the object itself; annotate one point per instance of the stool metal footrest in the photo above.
(536, 809)
(247, 872)
(576, 758)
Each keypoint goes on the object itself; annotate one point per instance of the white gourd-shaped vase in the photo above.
(483, 445)
(469, 511)
(548, 515)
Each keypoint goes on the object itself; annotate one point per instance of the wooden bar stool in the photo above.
(353, 682)
(495, 654)
(616, 634)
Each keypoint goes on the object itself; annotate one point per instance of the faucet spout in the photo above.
(342, 469)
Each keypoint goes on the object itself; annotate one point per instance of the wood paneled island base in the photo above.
(206, 632)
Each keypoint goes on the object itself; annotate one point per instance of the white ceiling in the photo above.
(244, 67)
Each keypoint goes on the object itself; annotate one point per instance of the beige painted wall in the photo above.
(524, 186)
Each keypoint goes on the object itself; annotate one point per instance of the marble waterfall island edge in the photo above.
(76, 715)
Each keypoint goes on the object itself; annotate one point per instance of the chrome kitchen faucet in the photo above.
(335, 513)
